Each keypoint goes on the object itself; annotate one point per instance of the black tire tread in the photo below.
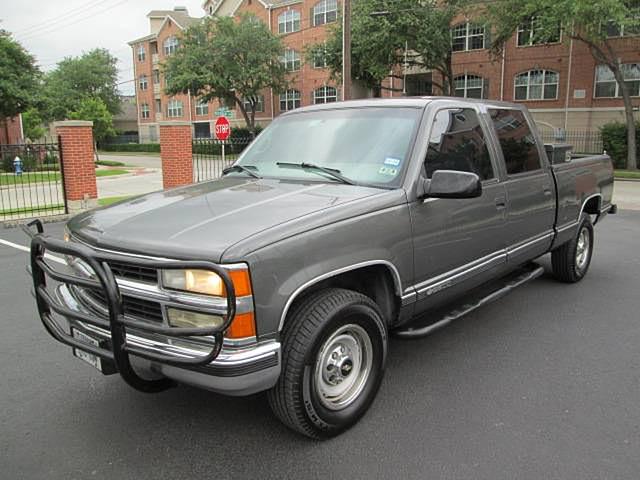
(303, 321)
(563, 259)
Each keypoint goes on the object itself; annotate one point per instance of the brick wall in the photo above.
(11, 131)
(175, 153)
(79, 171)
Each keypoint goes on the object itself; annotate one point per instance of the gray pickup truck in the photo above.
(339, 224)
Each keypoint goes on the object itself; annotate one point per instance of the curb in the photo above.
(619, 179)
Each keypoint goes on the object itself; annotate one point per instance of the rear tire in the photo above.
(570, 261)
(333, 358)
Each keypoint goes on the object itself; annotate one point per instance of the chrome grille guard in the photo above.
(115, 322)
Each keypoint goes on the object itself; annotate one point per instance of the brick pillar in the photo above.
(79, 170)
(175, 153)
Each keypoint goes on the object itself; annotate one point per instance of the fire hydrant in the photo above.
(17, 165)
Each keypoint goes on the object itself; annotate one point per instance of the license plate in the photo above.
(90, 358)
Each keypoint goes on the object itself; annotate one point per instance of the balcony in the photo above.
(158, 116)
(156, 89)
(155, 58)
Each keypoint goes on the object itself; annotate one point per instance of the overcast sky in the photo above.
(54, 29)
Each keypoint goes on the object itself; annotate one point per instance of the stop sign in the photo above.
(222, 128)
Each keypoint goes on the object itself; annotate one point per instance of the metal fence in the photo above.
(120, 139)
(211, 157)
(583, 141)
(31, 181)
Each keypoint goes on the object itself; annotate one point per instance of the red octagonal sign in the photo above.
(222, 128)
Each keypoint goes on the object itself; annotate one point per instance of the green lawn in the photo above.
(39, 177)
(626, 174)
(103, 202)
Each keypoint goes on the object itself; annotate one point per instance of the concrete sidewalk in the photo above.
(626, 194)
(122, 185)
(134, 160)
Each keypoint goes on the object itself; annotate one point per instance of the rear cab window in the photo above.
(518, 144)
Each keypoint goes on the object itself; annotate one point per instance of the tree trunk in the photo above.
(632, 163)
(245, 115)
(95, 150)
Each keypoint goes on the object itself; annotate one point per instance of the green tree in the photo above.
(585, 21)
(92, 75)
(19, 78)
(95, 110)
(32, 124)
(229, 59)
(391, 33)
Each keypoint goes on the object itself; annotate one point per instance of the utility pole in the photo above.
(346, 49)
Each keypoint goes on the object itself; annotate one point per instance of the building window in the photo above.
(141, 53)
(289, 100)
(170, 45)
(325, 11)
(174, 108)
(156, 77)
(467, 36)
(289, 21)
(320, 57)
(210, 9)
(291, 60)
(202, 107)
(536, 85)
(259, 104)
(606, 85)
(143, 83)
(158, 105)
(144, 110)
(616, 30)
(529, 33)
(469, 86)
(325, 94)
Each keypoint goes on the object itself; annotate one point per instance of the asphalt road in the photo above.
(543, 384)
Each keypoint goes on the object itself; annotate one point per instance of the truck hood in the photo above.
(203, 220)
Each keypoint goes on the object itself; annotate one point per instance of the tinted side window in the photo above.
(457, 143)
(516, 140)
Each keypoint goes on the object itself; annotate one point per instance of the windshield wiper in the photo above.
(332, 172)
(241, 168)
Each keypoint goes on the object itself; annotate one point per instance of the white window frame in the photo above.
(289, 21)
(202, 108)
(530, 41)
(143, 82)
(465, 88)
(323, 95)
(323, 9)
(291, 99)
(542, 85)
(467, 35)
(259, 105)
(142, 53)
(291, 60)
(170, 45)
(618, 94)
(145, 112)
(175, 108)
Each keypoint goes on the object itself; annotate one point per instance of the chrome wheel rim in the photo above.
(582, 249)
(343, 366)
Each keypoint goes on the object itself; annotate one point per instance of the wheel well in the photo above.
(374, 281)
(592, 206)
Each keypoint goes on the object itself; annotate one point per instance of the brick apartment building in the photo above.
(559, 82)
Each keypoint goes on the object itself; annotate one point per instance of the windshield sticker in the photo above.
(388, 171)
(394, 162)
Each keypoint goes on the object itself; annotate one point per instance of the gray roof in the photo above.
(181, 17)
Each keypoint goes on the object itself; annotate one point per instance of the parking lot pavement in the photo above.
(541, 384)
(146, 161)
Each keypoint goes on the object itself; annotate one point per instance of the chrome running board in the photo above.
(426, 324)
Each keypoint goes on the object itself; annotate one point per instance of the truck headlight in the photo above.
(206, 282)
(186, 318)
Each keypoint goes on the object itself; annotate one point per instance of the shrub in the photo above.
(614, 141)
(109, 163)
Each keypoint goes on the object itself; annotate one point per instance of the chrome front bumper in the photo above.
(237, 370)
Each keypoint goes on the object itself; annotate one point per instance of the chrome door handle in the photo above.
(547, 190)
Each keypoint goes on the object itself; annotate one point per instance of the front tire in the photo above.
(570, 262)
(334, 354)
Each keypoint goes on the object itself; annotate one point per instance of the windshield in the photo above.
(365, 145)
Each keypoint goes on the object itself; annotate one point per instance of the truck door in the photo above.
(458, 242)
(529, 186)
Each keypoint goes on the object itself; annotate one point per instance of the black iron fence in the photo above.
(583, 141)
(31, 181)
(211, 157)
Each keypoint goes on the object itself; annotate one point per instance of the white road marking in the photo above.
(48, 256)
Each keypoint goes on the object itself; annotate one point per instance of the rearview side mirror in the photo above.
(452, 184)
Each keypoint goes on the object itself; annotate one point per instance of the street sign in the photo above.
(225, 112)
(222, 128)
